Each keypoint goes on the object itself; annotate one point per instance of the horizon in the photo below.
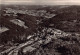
(40, 2)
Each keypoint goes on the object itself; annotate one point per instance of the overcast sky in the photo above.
(42, 2)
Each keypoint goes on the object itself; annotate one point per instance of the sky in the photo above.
(41, 2)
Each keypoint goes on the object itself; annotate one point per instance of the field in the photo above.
(39, 30)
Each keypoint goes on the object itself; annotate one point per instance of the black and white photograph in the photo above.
(39, 27)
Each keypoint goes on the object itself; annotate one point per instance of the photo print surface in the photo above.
(39, 27)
